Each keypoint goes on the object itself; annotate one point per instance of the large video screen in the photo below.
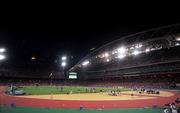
(72, 75)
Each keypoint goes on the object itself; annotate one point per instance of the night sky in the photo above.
(49, 34)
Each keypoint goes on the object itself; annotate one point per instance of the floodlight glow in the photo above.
(63, 64)
(106, 55)
(107, 60)
(64, 58)
(136, 52)
(33, 58)
(121, 56)
(2, 50)
(122, 50)
(131, 47)
(140, 45)
(2, 57)
(85, 63)
(147, 50)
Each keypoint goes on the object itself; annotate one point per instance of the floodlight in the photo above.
(106, 55)
(136, 52)
(107, 60)
(63, 58)
(120, 56)
(33, 58)
(121, 50)
(2, 57)
(140, 45)
(2, 50)
(147, 50)
(63, 64)
(85, 63)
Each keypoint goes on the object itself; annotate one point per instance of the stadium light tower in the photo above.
(2, 56)
(63, 63)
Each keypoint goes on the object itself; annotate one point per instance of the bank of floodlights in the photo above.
(63, 61)
(121, 50)
(2, 56)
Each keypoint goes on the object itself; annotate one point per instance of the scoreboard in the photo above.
(72, 75)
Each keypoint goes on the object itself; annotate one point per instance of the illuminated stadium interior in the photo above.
(138, 73)
(148, 52)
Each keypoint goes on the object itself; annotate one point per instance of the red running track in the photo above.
(45, 103)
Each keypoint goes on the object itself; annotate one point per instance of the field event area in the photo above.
(44, 90)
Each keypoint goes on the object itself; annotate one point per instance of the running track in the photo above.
(45, 103)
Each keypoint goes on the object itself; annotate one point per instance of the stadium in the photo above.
(136, 73)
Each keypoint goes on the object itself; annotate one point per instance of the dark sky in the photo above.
(48, 34)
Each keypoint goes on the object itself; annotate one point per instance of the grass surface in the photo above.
(34, 90)
(46, 110)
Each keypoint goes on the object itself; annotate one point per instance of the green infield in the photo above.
(47, 110)
(40, 90)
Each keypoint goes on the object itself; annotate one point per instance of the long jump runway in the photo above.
(94, 101)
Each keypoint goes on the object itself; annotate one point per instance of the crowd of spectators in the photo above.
(153, 82)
